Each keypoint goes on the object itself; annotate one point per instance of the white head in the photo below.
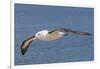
(41, 34)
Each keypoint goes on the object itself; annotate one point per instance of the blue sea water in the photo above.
(29, 19)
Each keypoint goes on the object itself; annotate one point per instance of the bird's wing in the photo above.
(69, 31)
(26, 43)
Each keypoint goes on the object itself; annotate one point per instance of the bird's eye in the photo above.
(38, 33)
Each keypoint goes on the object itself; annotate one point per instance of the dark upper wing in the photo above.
(26, 43)
(68, 31)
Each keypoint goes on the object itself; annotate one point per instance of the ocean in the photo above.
(29, 19)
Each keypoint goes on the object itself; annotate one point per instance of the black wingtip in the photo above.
(23, 48)
(25, 45)
(86, 33)
(23, 51)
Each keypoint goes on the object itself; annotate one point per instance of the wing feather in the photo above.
(26, 43)
(68, 31)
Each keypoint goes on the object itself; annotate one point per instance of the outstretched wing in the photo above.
(26, 43)
(69, 31)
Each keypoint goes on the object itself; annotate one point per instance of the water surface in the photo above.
(29, 19)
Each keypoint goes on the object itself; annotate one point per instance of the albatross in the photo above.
(46, 35)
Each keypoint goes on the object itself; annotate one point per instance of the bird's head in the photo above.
(41, 33)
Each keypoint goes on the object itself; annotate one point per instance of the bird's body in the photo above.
(46, 35)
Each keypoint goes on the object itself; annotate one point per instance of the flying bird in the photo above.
(46, 35)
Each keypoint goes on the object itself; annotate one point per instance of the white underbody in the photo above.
(52, 36)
